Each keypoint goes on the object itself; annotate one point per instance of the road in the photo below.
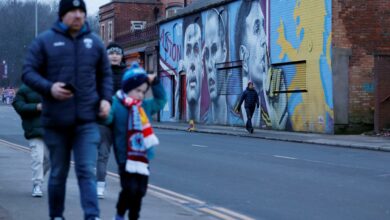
(263, 179)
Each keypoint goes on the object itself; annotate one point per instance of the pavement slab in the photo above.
(17, 203)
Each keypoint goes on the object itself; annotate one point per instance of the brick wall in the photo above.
(126, 12)
(122, 13)
(382, 107)
(362, 26)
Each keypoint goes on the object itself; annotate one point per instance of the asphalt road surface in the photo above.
(261, 178)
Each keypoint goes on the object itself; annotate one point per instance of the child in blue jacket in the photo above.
(134, 139)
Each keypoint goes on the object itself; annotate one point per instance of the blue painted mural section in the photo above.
(282, 11)
(171, 52)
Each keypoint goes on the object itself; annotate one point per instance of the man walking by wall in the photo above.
(251, 99)
(68, 66)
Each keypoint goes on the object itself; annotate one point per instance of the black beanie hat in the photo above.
(114, 47)
(68, 5)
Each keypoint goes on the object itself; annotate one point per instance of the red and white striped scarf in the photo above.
(140, 135)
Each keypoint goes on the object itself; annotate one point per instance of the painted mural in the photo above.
(283, 47)
(301, 31)
(171, 52)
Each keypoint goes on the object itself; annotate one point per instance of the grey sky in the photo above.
(92, 5)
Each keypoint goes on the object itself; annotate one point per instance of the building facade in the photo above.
(361, 64)
(133, 24)
(313, 71)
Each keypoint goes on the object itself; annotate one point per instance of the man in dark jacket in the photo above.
(251, 99)
(27, 104)
(68, 66)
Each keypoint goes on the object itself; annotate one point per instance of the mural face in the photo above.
(192, 62)
(251, 41)
(221, 49)
(214, 49)
(215, 52)
(252, 49)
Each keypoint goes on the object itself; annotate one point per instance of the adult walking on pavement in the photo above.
(251, 99)
(28, 104)
(115, 56)
(68, 66)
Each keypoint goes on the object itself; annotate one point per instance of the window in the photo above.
(110, 31)
(137, 25)
(285, 72)
(229, 78)
(102, 31)
(171, 11)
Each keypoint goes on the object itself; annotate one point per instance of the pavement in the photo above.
(16, 202)
(15, 178)
(377, 143)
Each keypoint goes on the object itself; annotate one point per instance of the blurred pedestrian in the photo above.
(3, 96)
(28, 104)
(118, 66)
(251, 99)
(134, 139)
(68, 66)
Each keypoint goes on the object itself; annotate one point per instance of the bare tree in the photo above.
(93, 22)
(17, 22)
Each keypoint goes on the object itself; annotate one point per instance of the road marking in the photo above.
(385, 175)
(202, 146)
(217, 214)
(16, 146)
(169, 192)
(234, 214)
(284, 157)
(168, 195)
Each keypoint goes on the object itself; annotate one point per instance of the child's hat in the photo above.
(134, 77)
(114, 47)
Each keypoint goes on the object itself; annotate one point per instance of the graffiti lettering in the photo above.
(171, 49)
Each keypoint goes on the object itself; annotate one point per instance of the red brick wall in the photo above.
(123, 13)
(126, 12)
(382, 107)
(362, 26)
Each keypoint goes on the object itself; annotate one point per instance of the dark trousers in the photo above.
(134, 188)
(103, 152)
(249, 114)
